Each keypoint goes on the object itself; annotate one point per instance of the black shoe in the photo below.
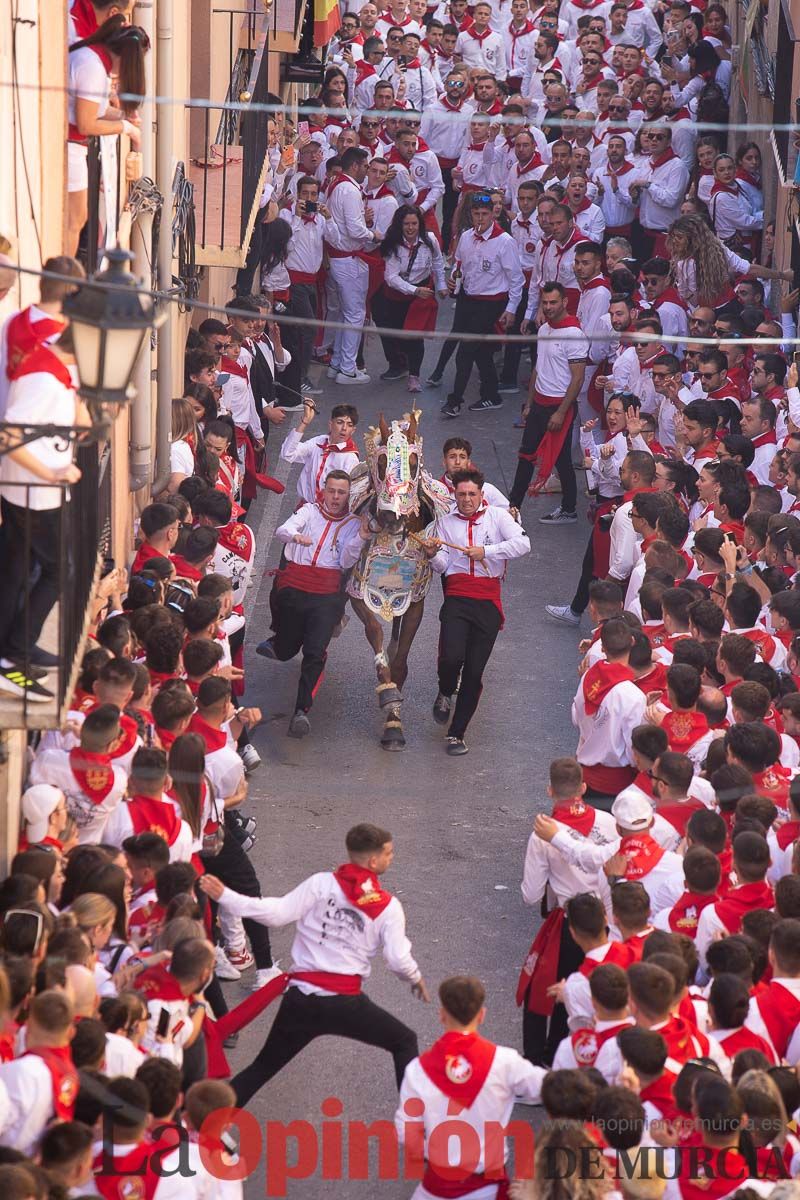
(20, 683)
(456, 746)
(266, 649)
(394, 373)
(248, 842)
(441, 709)
(231, 1041)
(434, 380)
(485, 405)
(451, 407)
(37, 657)
(22, 665)
(299, 726)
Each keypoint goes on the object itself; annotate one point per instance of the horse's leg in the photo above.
(408, 631)
(394, 640)
(389, 697)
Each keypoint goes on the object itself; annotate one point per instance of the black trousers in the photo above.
(302, 1018)
(467, 637)
(298, 340)
(534, 431)
(391, 314)
(602, 800)
(244, 276)
(477, 316)
(580, 601)
(30, 538)
(539, 1043)
(449, 206)
(513, 351)
(306, 622)
(236, 871)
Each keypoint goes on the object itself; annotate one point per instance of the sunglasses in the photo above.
(481, 198)
(707, 374)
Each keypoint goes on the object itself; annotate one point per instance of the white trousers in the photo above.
(351, 280)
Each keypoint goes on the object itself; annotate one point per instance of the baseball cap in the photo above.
(38, 804)
(632, 809)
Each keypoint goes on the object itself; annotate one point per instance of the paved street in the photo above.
(460, 825)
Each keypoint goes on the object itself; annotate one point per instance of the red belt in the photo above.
(546, 401)
(302, 277)
(447, 164)
(609, 780)
(497, 296)
(319, 581)
(453, 1189)
(618, 230)
(283, 295)
(342, 985)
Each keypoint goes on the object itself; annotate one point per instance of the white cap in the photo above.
(38, 805)
(632, 809)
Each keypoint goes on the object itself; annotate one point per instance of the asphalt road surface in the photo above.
(460, 825)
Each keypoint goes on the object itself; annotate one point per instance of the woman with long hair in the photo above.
(748, 174)
(217, 850)
(706, 151)
(702, 266)
(204, 404)
(183, 446)
(407, 298)
(118, 49)
(735, 222)
(705, 67)
(275, 282)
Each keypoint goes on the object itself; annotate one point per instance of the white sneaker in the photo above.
(332, 372)
(223, 967)
(242, 959)
(346, 379)
(266, 975)
(250, 757)
(562, 612)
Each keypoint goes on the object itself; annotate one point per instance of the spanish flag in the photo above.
(327, 20)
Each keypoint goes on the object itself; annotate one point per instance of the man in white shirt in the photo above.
(175, 1018)
(42, 1084)
(660, 189)
(463, 1072)
(348, 269)
(554, 388)
(480, 46)
(638, 471)
(490, 276)
(344, 918)
(322, 541)
(320, 455)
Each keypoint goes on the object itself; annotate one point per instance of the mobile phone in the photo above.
(222, 378)
(311, 206)
(162, 1028)
(302, 128)
(402, 61)
(667, 60)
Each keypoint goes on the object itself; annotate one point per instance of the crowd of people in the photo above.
(564, 171)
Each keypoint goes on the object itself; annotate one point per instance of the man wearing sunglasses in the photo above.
(660, 190)
(663, 297)
(446, 136)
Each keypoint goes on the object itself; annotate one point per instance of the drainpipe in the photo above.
(141, 448)
(164, 172)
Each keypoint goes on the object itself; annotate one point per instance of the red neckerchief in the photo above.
(655, 680)
(361, 887)
(734, 527)
(534, 161)
(663, 158)
(445, 103)
(723, 1173)
(166, 738)
(684, 728)
(43, 361)
(185, 569)
(678, 812)
(491, 234)
(158, 816)
(382, 191)
(753, 180)
(684, 914)
(58, 1060)
(528, 27)
(8, 1040)
(656, 115)
(93, 771)
(731, 189)
(584, 206)
(576, 815)
(599, 680)
(765, 439)
(787, 833)
(659, 1094)
(669, 296)
(680, 114)
(132, 1173)
(642, 852)
(599, 281)
(23, 335)
(774, 784)
(637, 492)
(84, 18)
(740, 900)
(479, 37)
(157, 678)
(215, 739)
(363, 71)
(458, 1065)
(233, 367)
(157, 983)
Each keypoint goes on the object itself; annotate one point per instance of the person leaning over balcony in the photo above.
(118, 49)
(84, 16)
(30, 504)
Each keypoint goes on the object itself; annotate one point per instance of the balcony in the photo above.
(83, 538)
(229, 172)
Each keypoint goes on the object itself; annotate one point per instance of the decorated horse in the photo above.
(391, 579)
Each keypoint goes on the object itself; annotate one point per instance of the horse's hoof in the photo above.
(388, 694)
(392, 737)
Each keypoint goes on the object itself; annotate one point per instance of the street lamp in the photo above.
(109, 320)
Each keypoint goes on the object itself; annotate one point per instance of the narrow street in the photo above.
(460, 825)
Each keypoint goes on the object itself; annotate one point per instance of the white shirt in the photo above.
(490, 265)
(428, 261)
(510, 1075)
(605, 737)
(181, 458)
(591, 223)
(316, 464)
(617, 206)
(487, 52)
(426, 175)
(88, 80)
(732, 214)
(346, 206)
(660, 203)
(755, 1022)
(52, 766)
(37, 399)
(186, 1164)
(445, 129)
(331, 934)
(559, 346)
(495, 529)
(545, 865)
(624, 544)
(122, 1057)
(335, 545)
(120, 826)
(26, 1102)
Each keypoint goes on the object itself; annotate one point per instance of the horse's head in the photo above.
(394, 457)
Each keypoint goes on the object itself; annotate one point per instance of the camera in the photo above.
(178, 596)
(311, 206)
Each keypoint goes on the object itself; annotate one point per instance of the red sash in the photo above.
(576, 814)
(742, 899)
(361, 887)
(679, 812)
(540, 969)
(318, 581)
(745, 1039)
(458, 1065)
(587, 1043)
(642, 852)
(475, 587)
(63, 1075)
(780, 1012)
(215, 739)
(93, 771)
(685, 913)
(132, 1174)
(684, 728)
(156, 816)
(599, 680)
